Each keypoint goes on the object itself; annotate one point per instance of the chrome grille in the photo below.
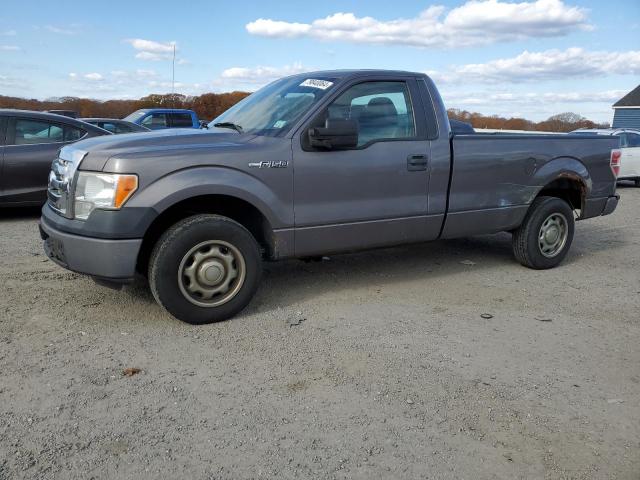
(58, 186)
(63, 169)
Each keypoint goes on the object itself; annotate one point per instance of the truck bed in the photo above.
(495, 177)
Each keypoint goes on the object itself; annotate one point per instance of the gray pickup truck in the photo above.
(311, 164)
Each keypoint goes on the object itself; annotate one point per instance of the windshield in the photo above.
(274, 109)
(134, 116)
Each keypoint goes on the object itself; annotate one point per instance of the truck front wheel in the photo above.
(205, 268)
(546, 233)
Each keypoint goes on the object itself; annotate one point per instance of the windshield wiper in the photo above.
(235, 126)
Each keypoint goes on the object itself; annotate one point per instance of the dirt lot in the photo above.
(364, 366)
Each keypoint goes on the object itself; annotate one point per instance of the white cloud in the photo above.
(152, 50)
(135, 75)
(151, 46)
(126, 84)
(13, 83)
(9, 48)
(117, 78)
(93, 76)
(548, 65)
(260, 75)
(9, 33)
(72, 30)
(476, 22)
(274, 28)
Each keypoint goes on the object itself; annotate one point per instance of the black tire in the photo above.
(178, 245)
(527, 243)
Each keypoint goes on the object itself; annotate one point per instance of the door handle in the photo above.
(417, 162)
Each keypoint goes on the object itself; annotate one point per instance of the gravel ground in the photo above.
(363, 366)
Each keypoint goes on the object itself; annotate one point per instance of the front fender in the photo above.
(197, 181)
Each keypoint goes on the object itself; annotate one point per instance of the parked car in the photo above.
(161, 118)
(114, 125)
(460, 127)
(198, 211)
(629, 149)
(64, 113)
(29, 141)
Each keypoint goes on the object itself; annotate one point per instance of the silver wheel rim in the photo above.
(553, 234)
(211, 273)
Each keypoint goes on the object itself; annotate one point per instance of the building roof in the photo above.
(631, 99)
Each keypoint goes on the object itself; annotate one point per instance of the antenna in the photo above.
(173, 78)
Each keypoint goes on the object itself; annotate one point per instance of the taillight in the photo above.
(615, 162)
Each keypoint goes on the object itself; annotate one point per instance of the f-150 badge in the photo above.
(270, 164)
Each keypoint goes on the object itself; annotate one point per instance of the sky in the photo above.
(528, 58)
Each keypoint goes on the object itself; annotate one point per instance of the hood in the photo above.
(101, 149)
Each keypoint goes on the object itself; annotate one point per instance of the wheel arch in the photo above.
(566, 178)
(235, 208)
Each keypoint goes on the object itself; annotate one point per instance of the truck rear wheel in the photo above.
(205, 268)
(546, 233)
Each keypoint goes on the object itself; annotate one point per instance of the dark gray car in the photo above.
(29, 142)
(115, 125)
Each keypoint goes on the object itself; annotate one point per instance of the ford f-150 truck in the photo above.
(311, 164)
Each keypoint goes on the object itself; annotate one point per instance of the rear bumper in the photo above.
(595, 207)
(610, 206)
(105, 259)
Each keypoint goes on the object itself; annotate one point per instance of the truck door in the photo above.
(374, 194)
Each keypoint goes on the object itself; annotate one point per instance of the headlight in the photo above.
(102, 190)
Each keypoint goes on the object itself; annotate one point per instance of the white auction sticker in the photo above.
(315, 83)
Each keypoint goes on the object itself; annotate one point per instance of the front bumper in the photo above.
(104, 259)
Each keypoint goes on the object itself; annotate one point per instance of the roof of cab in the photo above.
(147, 110)
(342, 74)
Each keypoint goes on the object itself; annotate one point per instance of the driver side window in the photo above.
(382, 111)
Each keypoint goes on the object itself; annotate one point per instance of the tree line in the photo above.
(562, 122)
(207, 106)
(210, 105)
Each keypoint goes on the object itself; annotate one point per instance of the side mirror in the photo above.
(337, 133)
(204, 124)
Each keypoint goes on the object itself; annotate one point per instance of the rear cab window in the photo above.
(181, 120)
